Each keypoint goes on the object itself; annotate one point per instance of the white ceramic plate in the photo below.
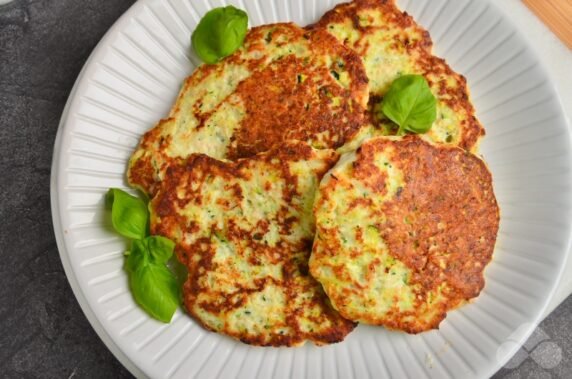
(130, 82)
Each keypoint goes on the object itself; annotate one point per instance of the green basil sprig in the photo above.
(220, 33)
(153, 286)
(129, 214)
(410, 104)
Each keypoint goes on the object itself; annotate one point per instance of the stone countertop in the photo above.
(44, 334)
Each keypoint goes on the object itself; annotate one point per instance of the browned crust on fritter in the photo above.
(433, 68)
(349, 10)
(442, 185)
(194, 173)
(278, 106)
(446, 212)
(141, 173)
(457, 98)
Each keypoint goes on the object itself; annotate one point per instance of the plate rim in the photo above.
(61, 137)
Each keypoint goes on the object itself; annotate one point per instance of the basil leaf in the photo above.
(137, 256)
(220, 33)
(153, 249)
(161, 249)
(156, 290)
(129, 214)
(410, 104)
(152, 284)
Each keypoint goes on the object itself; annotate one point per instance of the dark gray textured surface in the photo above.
(43, 333)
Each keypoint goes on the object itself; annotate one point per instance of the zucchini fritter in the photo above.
(392, 44)
(404, 231)
(283, 83)
(244, 229)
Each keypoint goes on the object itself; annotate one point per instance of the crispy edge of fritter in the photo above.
(350, 9)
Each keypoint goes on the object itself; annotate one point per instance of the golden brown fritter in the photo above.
(244, 230)
(284, 83)
(392, 44)
(404, 231)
